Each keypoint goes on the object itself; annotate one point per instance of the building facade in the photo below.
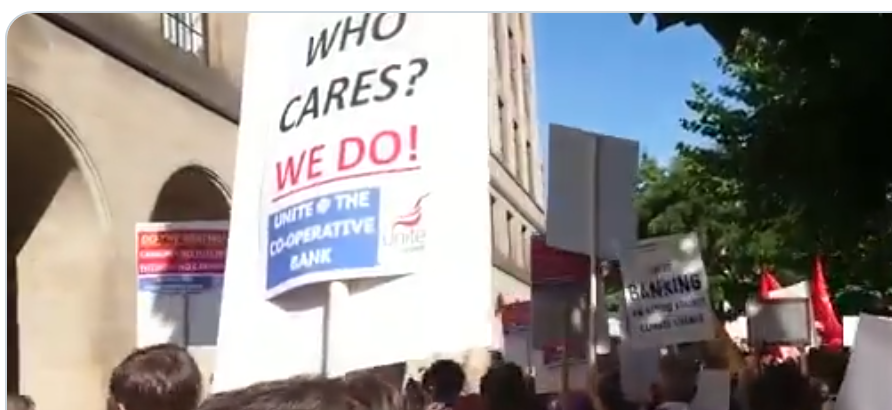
(115, 119)
(517, 186)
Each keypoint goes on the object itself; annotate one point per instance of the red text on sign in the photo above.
(383, 152)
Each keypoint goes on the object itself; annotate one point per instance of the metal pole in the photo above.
(565, 350)
(187, 334)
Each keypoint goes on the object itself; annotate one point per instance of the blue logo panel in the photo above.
(327, 233)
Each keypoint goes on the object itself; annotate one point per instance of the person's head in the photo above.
(504, 386)
(610, 391)
(356, 392)
(678, 380)
(158, 377)
(444, 380)
(19, 402)
(783, 387)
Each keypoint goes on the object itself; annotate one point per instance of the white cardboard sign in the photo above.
(866, 383)
(591, 183)
(345, 171)
(667, 293)
(713, 390)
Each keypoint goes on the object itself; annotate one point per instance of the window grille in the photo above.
(188, 31)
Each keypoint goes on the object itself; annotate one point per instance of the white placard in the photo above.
(591, 183)
(713, 390)
(345, 170)
(667, 293)
(179, 270)
(518, 347)
(781, 321)
(639, 371)
(849, 328)
(866, 383)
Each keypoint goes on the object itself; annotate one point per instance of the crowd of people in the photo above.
(166, 377)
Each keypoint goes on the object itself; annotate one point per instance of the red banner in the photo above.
(550, 264)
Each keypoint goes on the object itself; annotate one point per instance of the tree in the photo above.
(686, 196)
(804, 127)
(790, 147)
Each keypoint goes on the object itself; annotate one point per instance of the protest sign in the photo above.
(713, 390)
(667, 293)
(639, 371)
(515, 325)
(560, 294)
(866, 383)
(849, 327)
(179, 269)
(780, 321)
(561, 313)
(347, 159)
(591, 183)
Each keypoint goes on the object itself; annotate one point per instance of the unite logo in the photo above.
(407, 232)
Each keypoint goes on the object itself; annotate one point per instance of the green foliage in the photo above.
(799, 139)
(685, 197)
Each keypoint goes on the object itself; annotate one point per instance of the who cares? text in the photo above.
(371, 85)
(384, 152)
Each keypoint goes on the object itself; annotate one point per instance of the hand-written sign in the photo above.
(666, 293)
(368, 86)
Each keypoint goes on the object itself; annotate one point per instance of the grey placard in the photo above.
(550, 315)
(783, 321)
(591, 183)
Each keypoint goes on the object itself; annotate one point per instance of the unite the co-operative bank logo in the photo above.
(407, 232)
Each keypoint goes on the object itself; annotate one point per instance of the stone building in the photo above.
(115, 119)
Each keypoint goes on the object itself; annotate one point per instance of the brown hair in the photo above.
(355, 392)
(19, 402)
(158, 377)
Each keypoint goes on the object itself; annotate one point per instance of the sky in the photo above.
(602, 73)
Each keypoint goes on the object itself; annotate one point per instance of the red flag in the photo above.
(767, 283)
(829, 327)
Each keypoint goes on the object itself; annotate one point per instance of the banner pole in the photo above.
(335, 304)
(565, 351)
(187, 320)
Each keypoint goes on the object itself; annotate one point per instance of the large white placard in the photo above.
(667, 293)
(351, 129)
(591, 183)
(866, 383)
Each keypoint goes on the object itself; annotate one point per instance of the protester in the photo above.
(158, 377)
(783, 387)
(505, 387)
(19, 402)
(358, 392)
(444, 381)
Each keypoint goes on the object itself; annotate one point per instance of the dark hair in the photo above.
(355, 392)
(610, 391)
(783, 387)
(158, 377)
(505, 387)
(19, 402)
(444, 380)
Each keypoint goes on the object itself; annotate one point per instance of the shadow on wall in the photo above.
(192, 193)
